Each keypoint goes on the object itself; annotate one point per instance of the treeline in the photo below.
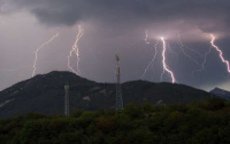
(207, 122)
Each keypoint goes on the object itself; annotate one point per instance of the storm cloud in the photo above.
(130, 12)
(121, 24)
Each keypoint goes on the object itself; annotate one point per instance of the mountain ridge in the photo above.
(45, 94)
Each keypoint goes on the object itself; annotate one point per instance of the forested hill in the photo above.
(207, 122)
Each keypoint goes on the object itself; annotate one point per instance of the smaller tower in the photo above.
(67, 100)
(119, 99)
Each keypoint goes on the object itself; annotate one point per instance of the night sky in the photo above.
(130, 28)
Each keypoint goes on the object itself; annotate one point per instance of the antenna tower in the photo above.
(67, 100)
(119, 99)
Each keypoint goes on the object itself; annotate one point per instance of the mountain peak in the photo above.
(217, 89)
(61, 77)
(56, 74)
(221, 93)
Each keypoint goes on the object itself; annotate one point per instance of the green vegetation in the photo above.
(206, 122)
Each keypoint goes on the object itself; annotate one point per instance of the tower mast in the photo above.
(67, 100)
(119, 99)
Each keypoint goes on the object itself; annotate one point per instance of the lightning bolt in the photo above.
(38, 49)
(75, 50)
(146, 39)
(221, 55)
(186, 47)
(165, 66)
(183, 47)
(152, 60)
(204, 61)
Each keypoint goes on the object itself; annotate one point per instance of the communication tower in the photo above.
(119, 99)
(67, 100)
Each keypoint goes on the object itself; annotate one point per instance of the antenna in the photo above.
(119, 99)
(67, 100)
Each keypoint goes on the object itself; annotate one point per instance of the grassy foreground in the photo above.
(207, 122)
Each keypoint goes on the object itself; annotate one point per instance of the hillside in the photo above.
(45, 94)
(206, 122)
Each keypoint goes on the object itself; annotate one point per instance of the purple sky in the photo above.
(116, 26)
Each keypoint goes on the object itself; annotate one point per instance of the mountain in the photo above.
(221, 93)
(45, 94)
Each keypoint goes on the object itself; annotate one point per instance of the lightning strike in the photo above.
(75, 50)
(221, 55)
(186, 47)
(183, 47)
(38, 49)
(152, 60)
(204, 61)
(165, 66)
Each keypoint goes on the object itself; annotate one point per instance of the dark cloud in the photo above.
(121, 24)
(132, 12)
